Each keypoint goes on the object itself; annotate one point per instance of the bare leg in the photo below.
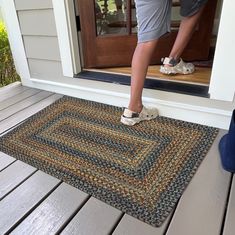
(140, 63)
(186, 30)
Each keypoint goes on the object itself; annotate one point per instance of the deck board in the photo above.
(7, 112)
(18, 97)
(50, 216)
(5, 160)
(14, 89)
(201, 207)
(229, 226)
(13, 176)
(23, 199)
(20, 116)
(95, 217)
(132, 226)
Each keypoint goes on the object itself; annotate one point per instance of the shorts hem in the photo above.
(153, 34)
(194, 11)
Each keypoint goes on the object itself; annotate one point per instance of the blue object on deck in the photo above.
(227, 147)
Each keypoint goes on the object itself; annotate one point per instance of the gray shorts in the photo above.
(154, 16)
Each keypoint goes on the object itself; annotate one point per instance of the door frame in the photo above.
(222, 82)
(104, 47)
(65, 20)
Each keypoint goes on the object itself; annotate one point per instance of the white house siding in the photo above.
(46, 70)
(38, 29)
(37, 22)
(41, 47)
(33, 4)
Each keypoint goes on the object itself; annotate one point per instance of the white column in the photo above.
(222, 85)
(16, 41)
(66, 35)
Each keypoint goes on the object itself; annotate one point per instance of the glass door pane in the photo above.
(133, 17)
(175, 15)
(118, 17)
(111, 17)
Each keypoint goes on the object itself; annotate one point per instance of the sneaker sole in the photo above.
(174, 73)
(171, 73)
(129, 122)
(132, 122)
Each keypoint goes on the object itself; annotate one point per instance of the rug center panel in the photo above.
(98, 145)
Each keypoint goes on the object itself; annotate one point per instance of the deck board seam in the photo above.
(16, 186)
(226, 205)
(12, 127)
(19, 100)
(8, 165)
(34, 207)
(116, 223)
(73, 215)
(27, 107)
(24, 89)
(171, 217)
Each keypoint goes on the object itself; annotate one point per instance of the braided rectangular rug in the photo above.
(141, 170)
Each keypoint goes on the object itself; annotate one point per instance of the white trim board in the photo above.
(222, 85)
(63, 26)
(73, 36)
(192, 113)
(15, 39)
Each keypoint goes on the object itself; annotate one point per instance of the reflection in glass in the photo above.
(175, 15)
(133, 17)
(111, 16)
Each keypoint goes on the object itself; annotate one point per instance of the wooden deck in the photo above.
(32, 202)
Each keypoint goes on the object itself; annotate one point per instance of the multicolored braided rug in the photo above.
(141, 170)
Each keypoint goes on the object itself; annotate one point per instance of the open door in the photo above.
(109, 33)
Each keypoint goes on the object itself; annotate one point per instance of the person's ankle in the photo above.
(172, 61)
(135, 108)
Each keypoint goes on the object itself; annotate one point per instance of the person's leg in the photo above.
(186, 30)
(191, 13)
(140, 62)
(136, 112)
(153, 17)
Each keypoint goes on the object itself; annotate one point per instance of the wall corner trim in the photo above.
(60, 14)
(16, 40)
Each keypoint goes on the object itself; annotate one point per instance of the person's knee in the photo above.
(149, 45)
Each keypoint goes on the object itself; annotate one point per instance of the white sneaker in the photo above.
(180, 68)
(130, 118)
